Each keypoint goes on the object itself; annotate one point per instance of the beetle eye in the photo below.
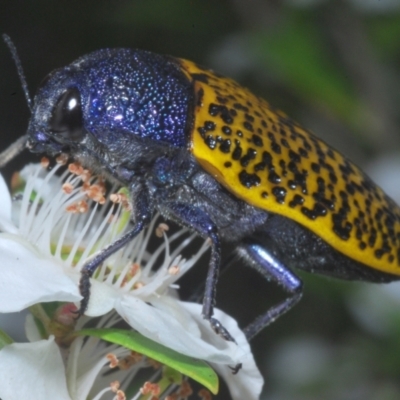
(67, 119)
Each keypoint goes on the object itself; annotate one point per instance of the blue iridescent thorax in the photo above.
(123, 92)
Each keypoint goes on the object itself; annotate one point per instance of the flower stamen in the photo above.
(150, 388)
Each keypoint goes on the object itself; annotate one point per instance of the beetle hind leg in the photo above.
(271, 268)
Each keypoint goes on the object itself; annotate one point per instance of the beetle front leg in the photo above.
(198, 220)
(142, 217)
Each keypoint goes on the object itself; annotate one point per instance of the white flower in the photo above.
(51, 231)
(37, 370)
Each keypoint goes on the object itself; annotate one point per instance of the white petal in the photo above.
(84, 368)
(32, 371)
(162, 327)
(27, 279)
(102, 298)
(248, 382)
(31, 329)
(6, 224)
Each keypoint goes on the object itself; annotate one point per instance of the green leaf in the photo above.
(4, 339)
(198, 370)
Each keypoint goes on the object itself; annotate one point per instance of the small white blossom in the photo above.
(56, 226)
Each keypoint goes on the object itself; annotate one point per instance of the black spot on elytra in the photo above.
(249, 117)
(237, 152)
(315, 167)
(260, 166)
(276, 148)
(225, 129)
(214, 109)
(285, 143)
(257, 140)
(247, 125)
(210, 142)
(225, 146)
(273, 177)
(199, 97)
(201, 77)
(341, 227)
(209, 126)
(222, 100)
(294, 156)
(280, 193)
(296, 201)
(250, 155)
(240, 107)
(249, 180)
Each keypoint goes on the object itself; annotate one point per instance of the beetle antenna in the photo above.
(13, 150)
(19, 145)
(20, 71)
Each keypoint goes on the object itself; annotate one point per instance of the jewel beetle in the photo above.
(210, 155)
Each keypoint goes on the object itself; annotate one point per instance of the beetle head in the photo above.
(107, 101)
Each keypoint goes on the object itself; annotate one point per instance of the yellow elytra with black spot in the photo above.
(271, 162)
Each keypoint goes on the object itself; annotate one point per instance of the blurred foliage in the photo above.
(332, 65)
(296, 53)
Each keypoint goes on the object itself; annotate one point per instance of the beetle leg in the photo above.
(265, 263)
(199, 221)
(142, 217)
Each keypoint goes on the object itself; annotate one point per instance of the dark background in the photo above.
(332, 65)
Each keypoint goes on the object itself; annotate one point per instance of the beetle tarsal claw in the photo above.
(220, 330)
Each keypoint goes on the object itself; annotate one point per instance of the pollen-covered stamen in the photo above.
(115, 388)
(131, 359)
(86, 175)
(185, 390)
(150, 388)
(95, 192)
(121, 198)
(44, 162)
(113, 359)
(125, 363)
(120, 395)
(161, 228)
(67, 187)
(62, 159)
(204, 394)
(174, 270)
(52, 212)
(134, 270)
(79, 207)
(75, 168)
(138, 285)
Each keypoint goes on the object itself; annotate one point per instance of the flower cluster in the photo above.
(48, 231)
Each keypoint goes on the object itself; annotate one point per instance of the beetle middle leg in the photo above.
(271, 268)
(199, 221)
